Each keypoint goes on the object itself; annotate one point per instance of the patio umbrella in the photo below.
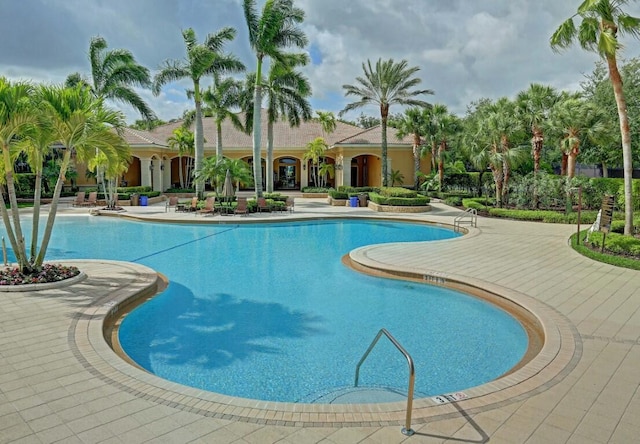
(227, 189)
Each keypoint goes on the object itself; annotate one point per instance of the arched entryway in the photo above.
(365, 171)
(286, 174)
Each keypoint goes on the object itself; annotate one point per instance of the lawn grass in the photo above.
(618, 261)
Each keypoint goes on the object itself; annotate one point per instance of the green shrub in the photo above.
(479, 203)
(276, 197)
(616, 243)
(399, 201)
(181, 190)
(454, 201)
(356, 190)
(316, 189)
(397, 192)
(338, 194)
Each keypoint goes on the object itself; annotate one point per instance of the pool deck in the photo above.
(60, 382)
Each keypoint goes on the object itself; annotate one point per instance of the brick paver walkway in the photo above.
(59, 381)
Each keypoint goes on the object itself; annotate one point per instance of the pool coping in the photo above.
(559, 355)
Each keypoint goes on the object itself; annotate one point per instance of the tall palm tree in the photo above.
(270, 34)
(387, 84)
(415, 122)
(202, 59)
(601, 21)
(315, 152)
(114, 74)
(533, 107)
(286, 91)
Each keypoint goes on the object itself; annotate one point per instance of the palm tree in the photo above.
(396, 176)
(602, 20)
(114, 73)
(220, 100)
(16, 116)
(445, 126)
(286, 90)
(315, 151)
(269, 35)
(572, 121)
(416, 122)
(327, 122)
(389, 83)
(533, 107)
(182, 140)
(202, 59)
(85, 128)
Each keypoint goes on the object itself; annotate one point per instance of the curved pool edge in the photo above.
(558, 356)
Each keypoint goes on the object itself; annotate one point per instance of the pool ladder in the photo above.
(407, 430)
(469, 216)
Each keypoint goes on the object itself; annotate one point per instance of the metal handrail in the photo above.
(407, 430)
(471, 214)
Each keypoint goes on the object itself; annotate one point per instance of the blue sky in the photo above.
(466, 50)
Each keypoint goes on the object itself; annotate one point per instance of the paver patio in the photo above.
(59, 382)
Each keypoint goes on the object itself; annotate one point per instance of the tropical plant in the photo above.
(182, 141)
(114, 74)
(327, 121)
(445, 126)
(325, 170)
(396, 177)
(75, 119)
(222, 100)
(109, 171)
(387, 84)
(416, 121)
(533, 107)
(270, 34)
(202, 59)
(601, 21)
(286, 91)
(314, 153)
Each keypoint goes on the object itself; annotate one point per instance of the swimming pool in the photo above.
(269, 312)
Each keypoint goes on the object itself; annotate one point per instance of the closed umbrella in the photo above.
(227, 189)
(227, 193)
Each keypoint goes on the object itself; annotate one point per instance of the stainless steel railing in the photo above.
(407, 430)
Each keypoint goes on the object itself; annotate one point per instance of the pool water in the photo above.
(269, 312)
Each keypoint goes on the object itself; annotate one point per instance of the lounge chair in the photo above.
(194, 205)
(289, 204)
(79, 200)
(241, 208)
(263, 205)
(172, 202)
(209, 206)
(91, 200)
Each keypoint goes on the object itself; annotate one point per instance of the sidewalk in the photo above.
(59, 381)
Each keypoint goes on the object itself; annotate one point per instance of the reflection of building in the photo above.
(354, 153)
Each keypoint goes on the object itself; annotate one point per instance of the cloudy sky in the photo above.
(465, 49)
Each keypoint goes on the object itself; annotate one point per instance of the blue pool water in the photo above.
(269, 311)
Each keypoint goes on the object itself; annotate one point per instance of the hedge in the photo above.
(399, 201)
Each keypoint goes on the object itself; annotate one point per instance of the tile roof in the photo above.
(283, 135)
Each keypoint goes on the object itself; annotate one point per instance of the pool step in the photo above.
(356, 395)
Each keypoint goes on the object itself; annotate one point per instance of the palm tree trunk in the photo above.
(269, 166)
(180, 170)
(199, 137)
(627, 163)
(416, 161)
(563, 164)
(537, 143)
(384, 113)
(219, 142)
(46, 236)
(605, 170)
(257, 130)
(441, 148)
(16, 238)
(37, 193)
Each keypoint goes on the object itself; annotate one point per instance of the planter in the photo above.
(399, 209)
(315, 195)
(337, 202)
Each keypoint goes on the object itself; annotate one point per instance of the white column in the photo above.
(166, 174)
(346, 171)
(304, 175)
(145, 172)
